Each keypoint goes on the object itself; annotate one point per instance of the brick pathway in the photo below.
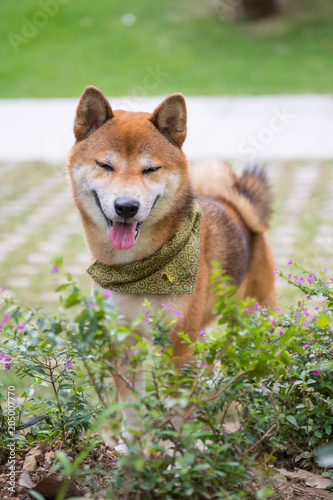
(39, 222)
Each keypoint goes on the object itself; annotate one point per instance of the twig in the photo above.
(124, 379)
(225, 386)
(225, 411)
(97, 389)
(275, 411)
(260, 440)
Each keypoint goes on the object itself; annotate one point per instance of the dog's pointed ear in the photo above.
(93, 110)
(170, 118)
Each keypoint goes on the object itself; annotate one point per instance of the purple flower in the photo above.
(249, 309)
(204, 365)
(289, 276)
(316, 373)
(133, 351)
(143, 455)
(306, 324)
(8, 358)
(2, 355)
(280, 332)
(201, 332)
(166, 307)
(314, 318)
(2, 288)
(69, 364)
(306, 345)
(297, 315)
(324, 298)
(90, 302)
(55, 269)
(290, 262)
(107, 293)
(146, 316)
(309, 298)
(6, 318)
(257, 307)
(273, 322)
(21, 325)
(275, 271)
(277, 309)
(277, 353)
(311, 278)
(8, 366)
(179, 315)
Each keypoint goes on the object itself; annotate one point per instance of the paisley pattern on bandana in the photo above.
(171, 270)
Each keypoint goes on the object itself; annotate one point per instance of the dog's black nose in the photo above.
(126, 208)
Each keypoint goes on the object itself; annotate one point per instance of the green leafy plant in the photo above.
(256, 390)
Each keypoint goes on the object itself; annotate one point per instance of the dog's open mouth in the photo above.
(122, 235)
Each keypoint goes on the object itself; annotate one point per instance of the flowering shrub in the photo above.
(257, 389)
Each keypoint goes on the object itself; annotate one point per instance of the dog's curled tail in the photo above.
(250, 194)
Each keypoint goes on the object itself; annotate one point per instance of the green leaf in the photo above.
(36, 495)
(62, 287)
(322, 321)
(292, 420)
(264, 493)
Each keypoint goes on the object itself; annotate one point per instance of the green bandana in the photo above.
(171, 270)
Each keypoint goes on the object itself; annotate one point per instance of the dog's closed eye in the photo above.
(105, 166)
(150, 170)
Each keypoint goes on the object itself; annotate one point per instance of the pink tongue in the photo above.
(121, 235)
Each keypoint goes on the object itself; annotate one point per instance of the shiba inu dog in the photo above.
(142, 210)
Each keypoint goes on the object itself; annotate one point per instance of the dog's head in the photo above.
(127, 169)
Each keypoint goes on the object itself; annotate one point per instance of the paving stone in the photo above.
(50, 248)
(83, 258)
(38, 258)
(324, 241)
(50, 297)
(19, 282)
(76, 270)
(26, 200)
(25, 269)
(282, 230)
(285, 239)
(33, 223)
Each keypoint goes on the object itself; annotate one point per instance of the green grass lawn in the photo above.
(194, 49)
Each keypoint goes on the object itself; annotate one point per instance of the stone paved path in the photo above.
(39, 222)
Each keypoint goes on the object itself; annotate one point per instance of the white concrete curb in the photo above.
(236, 128)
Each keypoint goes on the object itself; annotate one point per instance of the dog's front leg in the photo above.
(130, 388)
